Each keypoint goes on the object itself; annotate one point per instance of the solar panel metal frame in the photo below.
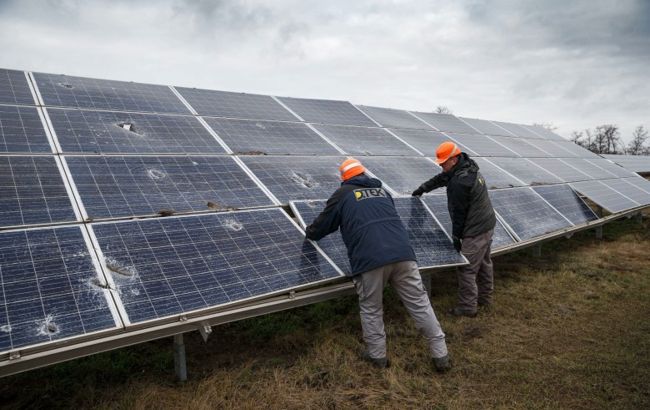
(184, 315)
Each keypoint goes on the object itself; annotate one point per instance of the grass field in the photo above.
(569, 330)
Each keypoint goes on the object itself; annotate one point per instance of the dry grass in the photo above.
(569, 330)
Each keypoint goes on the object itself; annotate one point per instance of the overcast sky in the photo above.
(576, 64)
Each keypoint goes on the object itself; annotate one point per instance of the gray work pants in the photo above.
(476, 280)
(405, 278)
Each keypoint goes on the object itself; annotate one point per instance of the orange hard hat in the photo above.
(445, 151)
(351, 168)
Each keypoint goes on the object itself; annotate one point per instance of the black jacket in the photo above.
(467, 198)
(370, 226)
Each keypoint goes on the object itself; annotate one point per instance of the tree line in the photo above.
(606, 139)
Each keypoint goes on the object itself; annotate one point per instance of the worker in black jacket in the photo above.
(379, 252)
(473, 222)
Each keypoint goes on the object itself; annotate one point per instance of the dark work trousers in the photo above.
(405, 278)
(476, 280)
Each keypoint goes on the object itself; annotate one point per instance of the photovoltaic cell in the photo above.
(32, 192)
(365, 141)
(483, 146)
(14, 88)
(518, 130)
(402, 174)
(565, 200)
(21, 131)
(486, 127)
(494, 176)
(604, 196)
(81, 92)
(631, 191)
(438, 205)
(165, 267)
(120, 132)
(327, 112)
(49, 288)
(526, 212)
(561, 169)
(425, 141)
(521, 147)
(235, 105)
(611, 167)
(119, 186)
(526, 171)
(392, 118)
(446, 123)
(296, 177)
(271, 137)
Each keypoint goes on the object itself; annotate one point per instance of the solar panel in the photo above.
(634, 163)
(518, 130)
(365, 141)
(486, 127)
(604, 196)
(327, 111)
(296, 178)
(496, 177)
(50, 288)
(14, 88)
(425, 141)
(575, 149)
(402, 174)
(483, 146)
(166, 267)
(392, 118)
(235, 105)
(629, 190)
(526, 171)
(438, 206)
(446, 123)
(521, 147)
(21, 131)
(119, 186)
(611, 167)
(565, 200)
(32, 192)
(527, 214)
(642, 183)
(552, 149)
(271, 137)
(586, 167)
(81, 92)
(561, 169)
(544, 132)
(121, 132)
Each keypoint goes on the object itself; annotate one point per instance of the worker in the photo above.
(473, 222)
(379, 252)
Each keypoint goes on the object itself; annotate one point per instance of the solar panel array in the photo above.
(94, 174)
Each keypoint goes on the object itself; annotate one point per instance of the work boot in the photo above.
(442, 364)
(379, 362)
(458, 311)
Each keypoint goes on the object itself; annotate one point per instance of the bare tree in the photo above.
(637, 145)
(604, 139)
(441, 109)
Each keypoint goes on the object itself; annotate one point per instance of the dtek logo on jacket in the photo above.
(365, 193)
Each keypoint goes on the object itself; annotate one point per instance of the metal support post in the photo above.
(426, 280)
(599, 232)
(639, 217)
(180, 365)
(537, 250)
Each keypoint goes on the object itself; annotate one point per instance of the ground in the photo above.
(568, 330)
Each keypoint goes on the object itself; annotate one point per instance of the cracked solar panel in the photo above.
(392, 118)
(402, 175)
(130, 133)
(526, 171)
(327, 111)
(565, 200)
(270, 137)
(119, 186)
(21, 131)
(438, 206)
(365, 141)
(446, 123)
(166, 267)
(527, 214)
(296, 177)
(604, 196)
(561, 169)
(82, 92)
(494, 176)
(235, 105)
(50, 289)
(32, 192)
(425, 141)
(14, 88)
